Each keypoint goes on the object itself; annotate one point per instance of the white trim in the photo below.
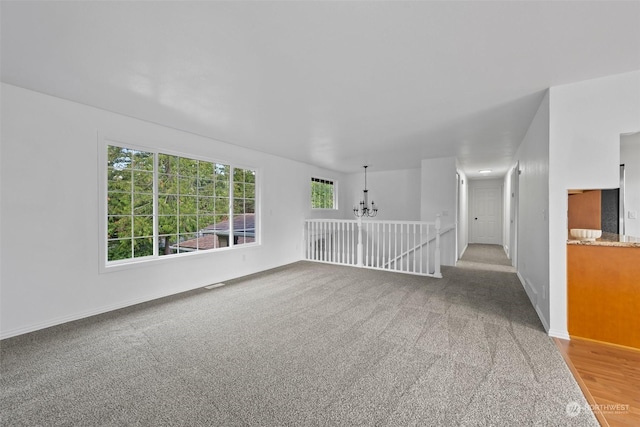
(545, 325)
(558, 334)
(463, 251)
(101, 310)
(529, 289)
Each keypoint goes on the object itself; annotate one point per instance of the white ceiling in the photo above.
(335, 84)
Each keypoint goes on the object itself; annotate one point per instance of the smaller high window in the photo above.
(323, 194)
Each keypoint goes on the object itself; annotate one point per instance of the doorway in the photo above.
(486, 212)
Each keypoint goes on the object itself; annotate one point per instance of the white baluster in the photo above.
(414, 249)
(437, 272)
(359, 249)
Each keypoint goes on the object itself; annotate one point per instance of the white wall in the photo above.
(408, 194)
(586, 120)
(438, 197)
(630, 157)
(533, 204)
(396, 193)
(438, 189)
(50, 213)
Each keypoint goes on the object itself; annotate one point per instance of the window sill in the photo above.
(152, 261)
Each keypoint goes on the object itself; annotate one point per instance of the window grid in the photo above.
(322, 194)
(160, 204)
(244, 206)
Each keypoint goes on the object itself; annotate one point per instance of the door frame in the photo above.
(513, 213)
(486, 184)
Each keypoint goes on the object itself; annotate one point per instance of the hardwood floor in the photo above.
(609, 376)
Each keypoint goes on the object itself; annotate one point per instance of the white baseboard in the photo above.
(463, 250)
(529, 290)
(559, 334)
(84, 314)
(545, 324)
(523, 282)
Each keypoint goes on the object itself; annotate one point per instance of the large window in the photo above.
(323, 195)
(161, 204)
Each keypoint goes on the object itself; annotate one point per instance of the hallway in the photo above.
(485, 257)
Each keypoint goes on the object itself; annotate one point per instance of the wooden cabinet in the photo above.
(603, 285)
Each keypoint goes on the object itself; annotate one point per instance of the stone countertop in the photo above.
(608, 239)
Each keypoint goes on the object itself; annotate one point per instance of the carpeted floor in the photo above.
(485, 257)
(305, 344)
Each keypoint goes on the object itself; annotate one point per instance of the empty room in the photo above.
(336, 213)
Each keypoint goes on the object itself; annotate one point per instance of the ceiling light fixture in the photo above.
(485, 171)
(364, 209)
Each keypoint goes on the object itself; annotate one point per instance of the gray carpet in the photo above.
(485, 257)
(305, 344)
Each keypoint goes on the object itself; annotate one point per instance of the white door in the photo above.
(485, 220)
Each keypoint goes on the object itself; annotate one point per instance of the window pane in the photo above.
(142, 247)
(187, 167)
(206, 221)
(119, 158)
(206, 205)
(142, 160)
(188, 204)
(165, 243)
(119, 204)
(205, 170)
(250, 206)
(188, 242)
(188, 185)
(222, 172)
(238, 206)
(119, 249)
(222, 188)
(142, 226)
(167, 205)
(222, 206)
(168, 224)
(142, 204)
(119, 227)
(238, 175)
(187, 224)
(238, 189)
(167, 164)
(118, 180)
(142, 182)
(167, 184)
(250, 191)
(206, 186)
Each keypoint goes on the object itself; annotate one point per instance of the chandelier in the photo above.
(364, 210)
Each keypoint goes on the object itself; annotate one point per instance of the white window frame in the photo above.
(107, 266)
(335, 193)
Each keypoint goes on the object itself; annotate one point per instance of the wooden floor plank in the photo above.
(609, 377)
